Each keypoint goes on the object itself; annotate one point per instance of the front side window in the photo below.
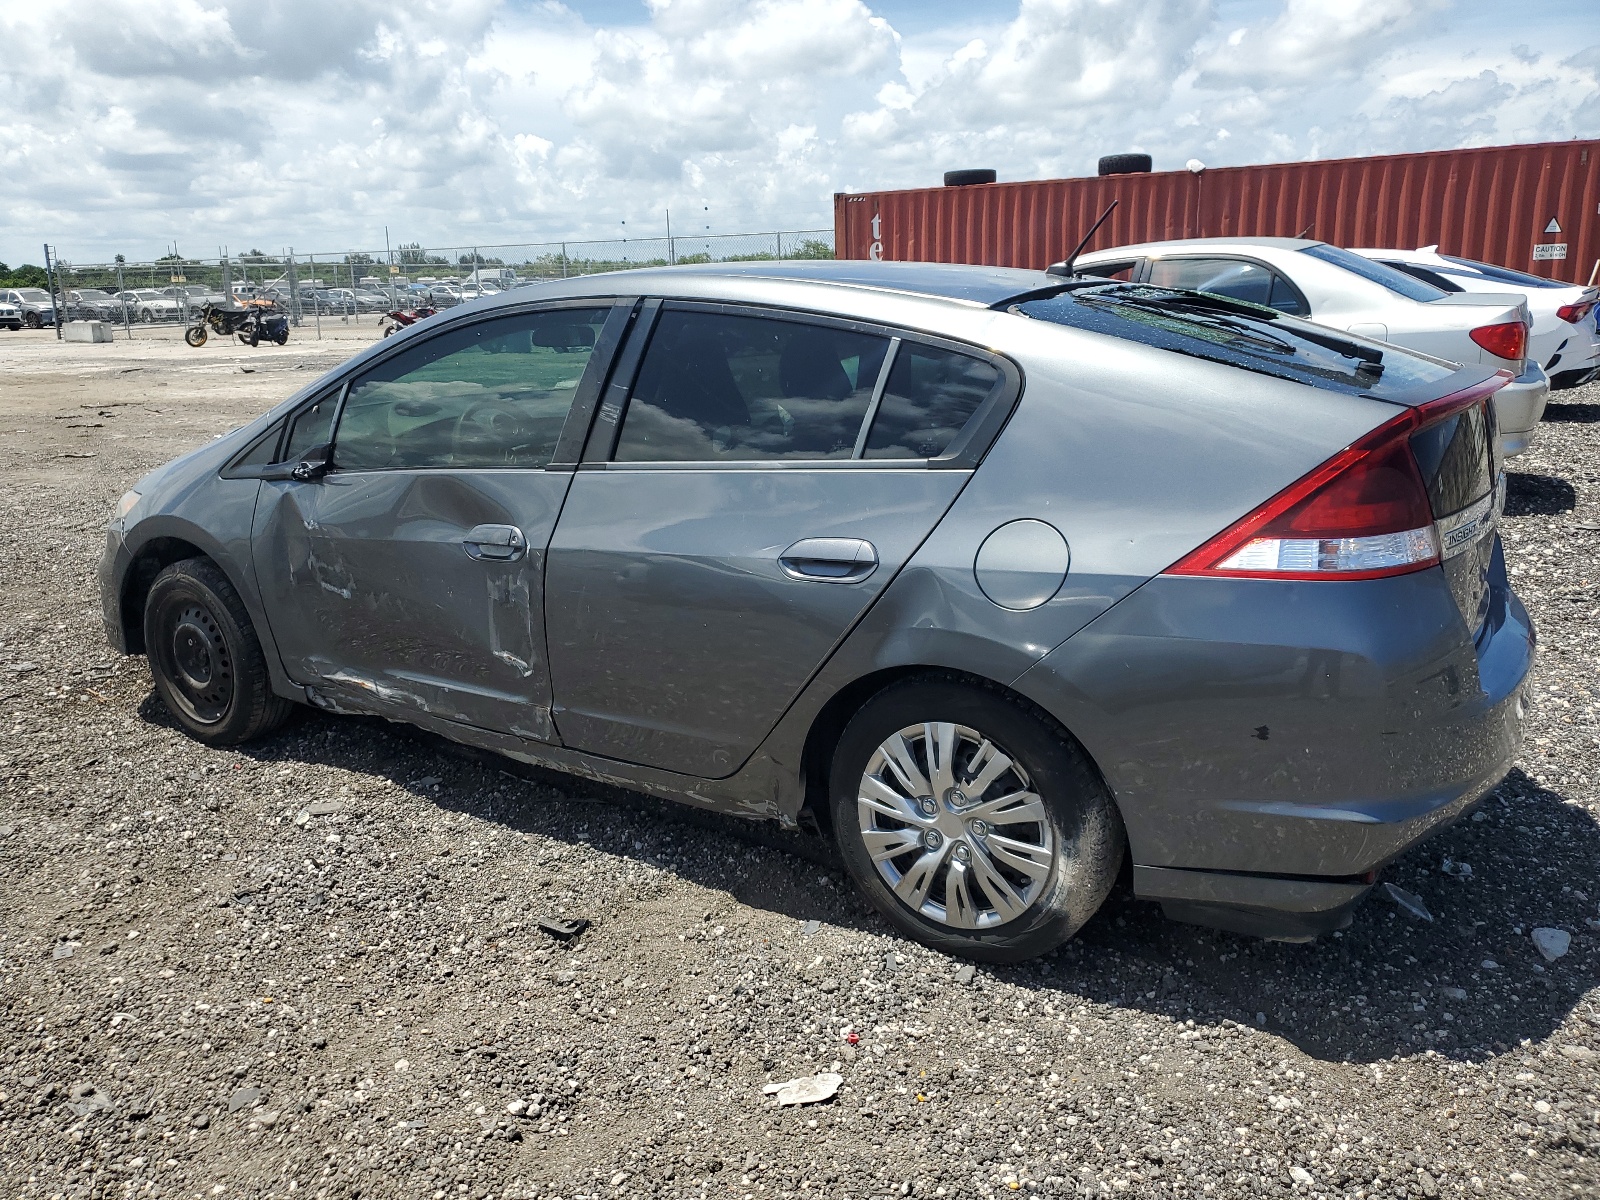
(724, 387)
(491, 394)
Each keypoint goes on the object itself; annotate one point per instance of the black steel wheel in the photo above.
(205, 657)
(972, 821)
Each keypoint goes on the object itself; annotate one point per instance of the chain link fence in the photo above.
(352, 285)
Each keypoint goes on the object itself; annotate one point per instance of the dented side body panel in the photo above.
(372, 596)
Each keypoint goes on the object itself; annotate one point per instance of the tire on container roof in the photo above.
(969, 177)
(1125, 164)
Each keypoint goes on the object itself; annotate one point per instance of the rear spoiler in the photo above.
(1467, 384)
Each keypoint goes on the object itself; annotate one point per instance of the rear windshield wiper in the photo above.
(1144, 296)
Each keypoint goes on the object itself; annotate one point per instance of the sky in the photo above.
(130, 127)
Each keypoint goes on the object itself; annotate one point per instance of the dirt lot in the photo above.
(313, 965)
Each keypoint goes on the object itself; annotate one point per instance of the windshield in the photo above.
(1238, 334)
(1396, 281)
(1503, 274)
(34, 295)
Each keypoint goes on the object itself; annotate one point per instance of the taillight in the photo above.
(1363, 514)
(1573, 313)
(1509, 339)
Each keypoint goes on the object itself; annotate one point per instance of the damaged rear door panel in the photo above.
(409, 576)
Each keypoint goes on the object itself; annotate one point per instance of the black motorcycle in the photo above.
(250, 324)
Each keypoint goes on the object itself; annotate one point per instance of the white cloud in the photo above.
(130, 125)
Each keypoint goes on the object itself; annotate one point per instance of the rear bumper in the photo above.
(1269, 744)
(1263, 905)
(1518, 407)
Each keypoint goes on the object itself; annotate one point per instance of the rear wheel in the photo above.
(205, 657)
(971, 821)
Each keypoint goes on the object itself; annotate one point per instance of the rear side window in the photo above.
(1375, 272)
(1120, 271)
(1232, 277)
(719, 387)
(490, 394)
(931, 395)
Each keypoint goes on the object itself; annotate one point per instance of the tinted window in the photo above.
(490, 394)
(721, 387)
(1113, 270)
(1395, 281)
(1225, 331)
(312, 427)
(1231, 277)
(1417, 271)
(930, 396)
(1506, 274)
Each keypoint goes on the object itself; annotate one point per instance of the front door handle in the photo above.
(495, 543)
(829, 560)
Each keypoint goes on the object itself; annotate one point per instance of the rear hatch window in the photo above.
(1239, 334)
(1458, 460)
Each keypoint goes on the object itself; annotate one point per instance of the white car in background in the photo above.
(1565, 339)
(1343, 290)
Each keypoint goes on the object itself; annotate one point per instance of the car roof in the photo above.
(978, 285)
(1264, 243)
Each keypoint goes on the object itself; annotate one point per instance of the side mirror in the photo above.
(318, 461)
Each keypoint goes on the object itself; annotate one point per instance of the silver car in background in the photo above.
(1343, 290)
(999, 579)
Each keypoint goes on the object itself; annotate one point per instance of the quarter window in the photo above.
(930, 397)
(312, 427)
(717, 387)
(491, 394)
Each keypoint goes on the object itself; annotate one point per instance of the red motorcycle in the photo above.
(400, 318)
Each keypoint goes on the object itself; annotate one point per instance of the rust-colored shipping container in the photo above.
(1534, 207)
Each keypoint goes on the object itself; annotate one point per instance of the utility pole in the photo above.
(51, 275)
(393, 301)
(672, 252)
(127, 316)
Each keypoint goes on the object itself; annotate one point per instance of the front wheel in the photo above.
(195, 335)
(205, 658)
(971, 820)
(32, 321)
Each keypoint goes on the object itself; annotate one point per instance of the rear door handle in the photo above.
(829, 560)
(495, 543)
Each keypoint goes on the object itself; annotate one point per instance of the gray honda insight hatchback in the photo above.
(998, 578)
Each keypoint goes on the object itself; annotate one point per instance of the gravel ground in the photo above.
(314, 965)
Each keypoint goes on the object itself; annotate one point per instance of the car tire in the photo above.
(205, 657)
(146, 315)
(32, 321)
(1073, 851)
(1124, 164)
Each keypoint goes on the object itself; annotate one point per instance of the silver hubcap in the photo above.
(954, 827)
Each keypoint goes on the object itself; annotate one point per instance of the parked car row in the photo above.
(1483, 318)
